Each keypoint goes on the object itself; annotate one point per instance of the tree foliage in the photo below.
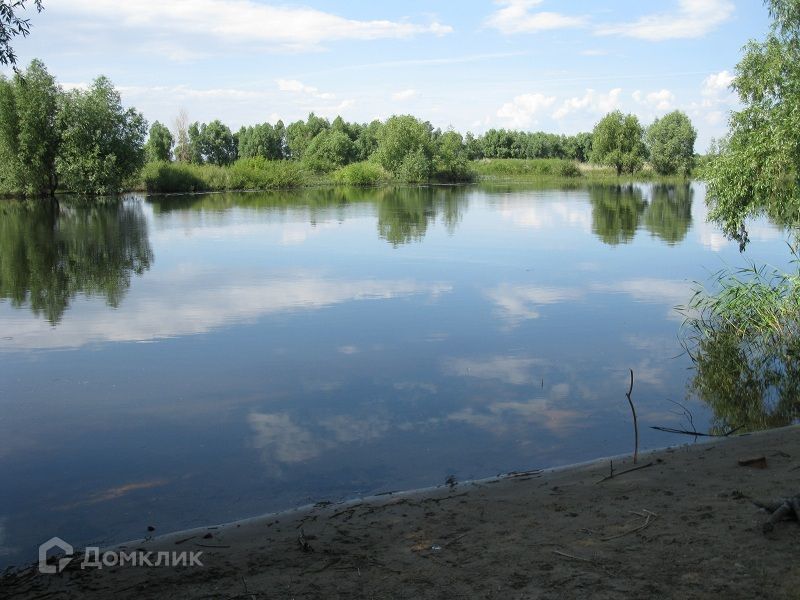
(264, 140)
(617, 142)
(759, 163)
(159, 143)
(212, 143)
(102, 143)
(670, 142)
(12, 25)
(29, 138)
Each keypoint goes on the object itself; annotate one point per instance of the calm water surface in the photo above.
(179, 361)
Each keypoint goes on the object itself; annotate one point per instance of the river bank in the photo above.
(683, 525)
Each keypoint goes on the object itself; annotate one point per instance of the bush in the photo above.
(360, 174)
(261, 174)
(164, 177)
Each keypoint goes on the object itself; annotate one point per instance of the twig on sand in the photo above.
(651, 516)
(696, 433)
(635, 422)
(580, 558)
(631, 470)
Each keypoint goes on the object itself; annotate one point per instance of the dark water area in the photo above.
(179, 361)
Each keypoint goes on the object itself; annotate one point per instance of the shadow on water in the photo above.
(50, 253)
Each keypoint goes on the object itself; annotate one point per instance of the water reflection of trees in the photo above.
(619, 210)
(669, 213)
(49, 253)
(754, 384)
(404, 213)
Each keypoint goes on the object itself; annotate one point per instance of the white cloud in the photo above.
(516, 17)
(246, 21)
(405, 95)
(298, 87)
(693, 19)
(196, 310)
(718, 84)
(591, 102)
(662, 100)
(512, 370)
(517, 303)
(522, 110)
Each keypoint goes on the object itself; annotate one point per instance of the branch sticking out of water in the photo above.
(635, 422)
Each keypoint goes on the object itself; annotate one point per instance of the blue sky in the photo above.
(529, 64)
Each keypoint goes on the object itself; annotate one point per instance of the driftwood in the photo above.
(783, 509)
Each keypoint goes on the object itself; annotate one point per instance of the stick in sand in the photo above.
(635, 423)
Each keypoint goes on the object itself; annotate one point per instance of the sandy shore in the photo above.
(684, 527)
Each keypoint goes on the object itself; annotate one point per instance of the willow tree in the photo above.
(759, 165)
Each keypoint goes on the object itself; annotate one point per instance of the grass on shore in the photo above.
(261, 174)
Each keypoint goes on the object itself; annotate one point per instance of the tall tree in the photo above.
(617, 142)
(159, 143)
(670, 141)
(180, 126)
(759, 165)
(29, 136)
(12, 25)
(102, 142)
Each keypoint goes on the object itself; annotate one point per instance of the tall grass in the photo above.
(244, 174)
(760, 303)
(538, 167)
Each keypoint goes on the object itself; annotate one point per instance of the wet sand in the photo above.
(683, 527)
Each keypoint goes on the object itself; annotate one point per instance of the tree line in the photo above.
(85, 141)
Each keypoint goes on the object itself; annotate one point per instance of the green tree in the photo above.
(212, 143)
(159, 143)
(331, 148)
(670, 142)
(300, 133)
(617, 142)
(451, 158)
(759, 165)
(29, 136)
(12, 25)
(405, 148)
(262, 140)
(102, 143)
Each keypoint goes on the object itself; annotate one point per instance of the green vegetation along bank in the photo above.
(85, 141)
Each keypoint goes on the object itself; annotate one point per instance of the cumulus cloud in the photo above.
(405, 94)
(591, 102)
(662, 100)
(692, 19)
(516, 17)
(717, 84)
(292, 28)
(521, 111)
(298, 87)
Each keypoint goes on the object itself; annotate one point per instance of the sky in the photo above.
(549, 65)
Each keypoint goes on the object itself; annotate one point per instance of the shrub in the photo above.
(360, 174)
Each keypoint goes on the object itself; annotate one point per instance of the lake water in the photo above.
(180, 361)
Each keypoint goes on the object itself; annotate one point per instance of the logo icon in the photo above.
(51, 544)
